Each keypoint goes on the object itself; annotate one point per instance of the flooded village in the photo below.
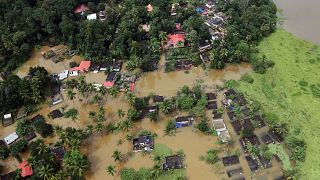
(125, 111)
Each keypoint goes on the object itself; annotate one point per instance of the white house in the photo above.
(92, 16)
(63, 75)
(11, 138)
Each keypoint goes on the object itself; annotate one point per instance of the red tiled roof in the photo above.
(26, 169)
(173, 39)
(81, 8)
(108, 84)
(84, 66)
(132, 86)
(149, 8)
(178, 26)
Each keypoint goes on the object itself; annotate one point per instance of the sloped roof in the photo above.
(149, 8)
(81, 8)
(132, 86)
(84, 66)
(173, 39)
(26, 169)
(108, 84)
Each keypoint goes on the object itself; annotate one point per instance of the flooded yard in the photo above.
(99, 148)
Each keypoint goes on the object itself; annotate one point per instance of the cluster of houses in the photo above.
(244, 125)
(24, 166)
(215, 20)
(114, 78)
(217, 121)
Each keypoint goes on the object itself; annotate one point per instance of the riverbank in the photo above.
(286, 90)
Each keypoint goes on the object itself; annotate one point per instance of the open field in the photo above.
(291, 90)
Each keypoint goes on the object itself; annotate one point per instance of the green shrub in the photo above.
(43, 128)
(19, 146)
(303, 83)
(23, 127)
(171, 127)
(297, 147)
(247, 78)
(133, 114)
(212, 156)
(315, 89)
(4, 152)
(203, 126)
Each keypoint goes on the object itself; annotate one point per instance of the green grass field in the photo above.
(291, 90)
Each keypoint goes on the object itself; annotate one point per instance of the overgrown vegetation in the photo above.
(287, 94)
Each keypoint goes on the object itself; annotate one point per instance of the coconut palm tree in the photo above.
(111, 170)
(126, 125)
(117, 155)
(121, 113)
(101, 115)
(75, 163)
(114, 91)
(89, 129)
(156, 170)
(99, 127)
(92, 115)
(71, 95)
(130, 97)
(42, 148)
(103, 90)
(153, 116)
(45, 172)
(73, 114)
(96, 99)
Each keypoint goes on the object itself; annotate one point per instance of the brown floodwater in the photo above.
(167, 84)
(301, 18)
(99, 148)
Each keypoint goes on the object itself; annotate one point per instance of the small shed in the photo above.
(212, 105)
(11, 138)
(7, 120)
(55, 114)
(172, 162)
(235, 172)
(267, 139)
(237, 126)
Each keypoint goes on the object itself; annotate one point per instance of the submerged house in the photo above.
(205, 47)
(212, 105)
(56, 96)
(31, 135)
(224, 136)
(157, 99)
(219, 125)
(183, 121)
(253, 163)
(116, 67)
(235, 172)
(172, 162)
(211, 96)
(230, 160)
(184, 64)
(267, 139)
(55, 114)
(143, 143)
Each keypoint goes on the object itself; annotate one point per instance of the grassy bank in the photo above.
(291, 90)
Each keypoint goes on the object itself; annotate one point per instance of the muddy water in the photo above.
(168, 83)
(301, 18)
(36, 59)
